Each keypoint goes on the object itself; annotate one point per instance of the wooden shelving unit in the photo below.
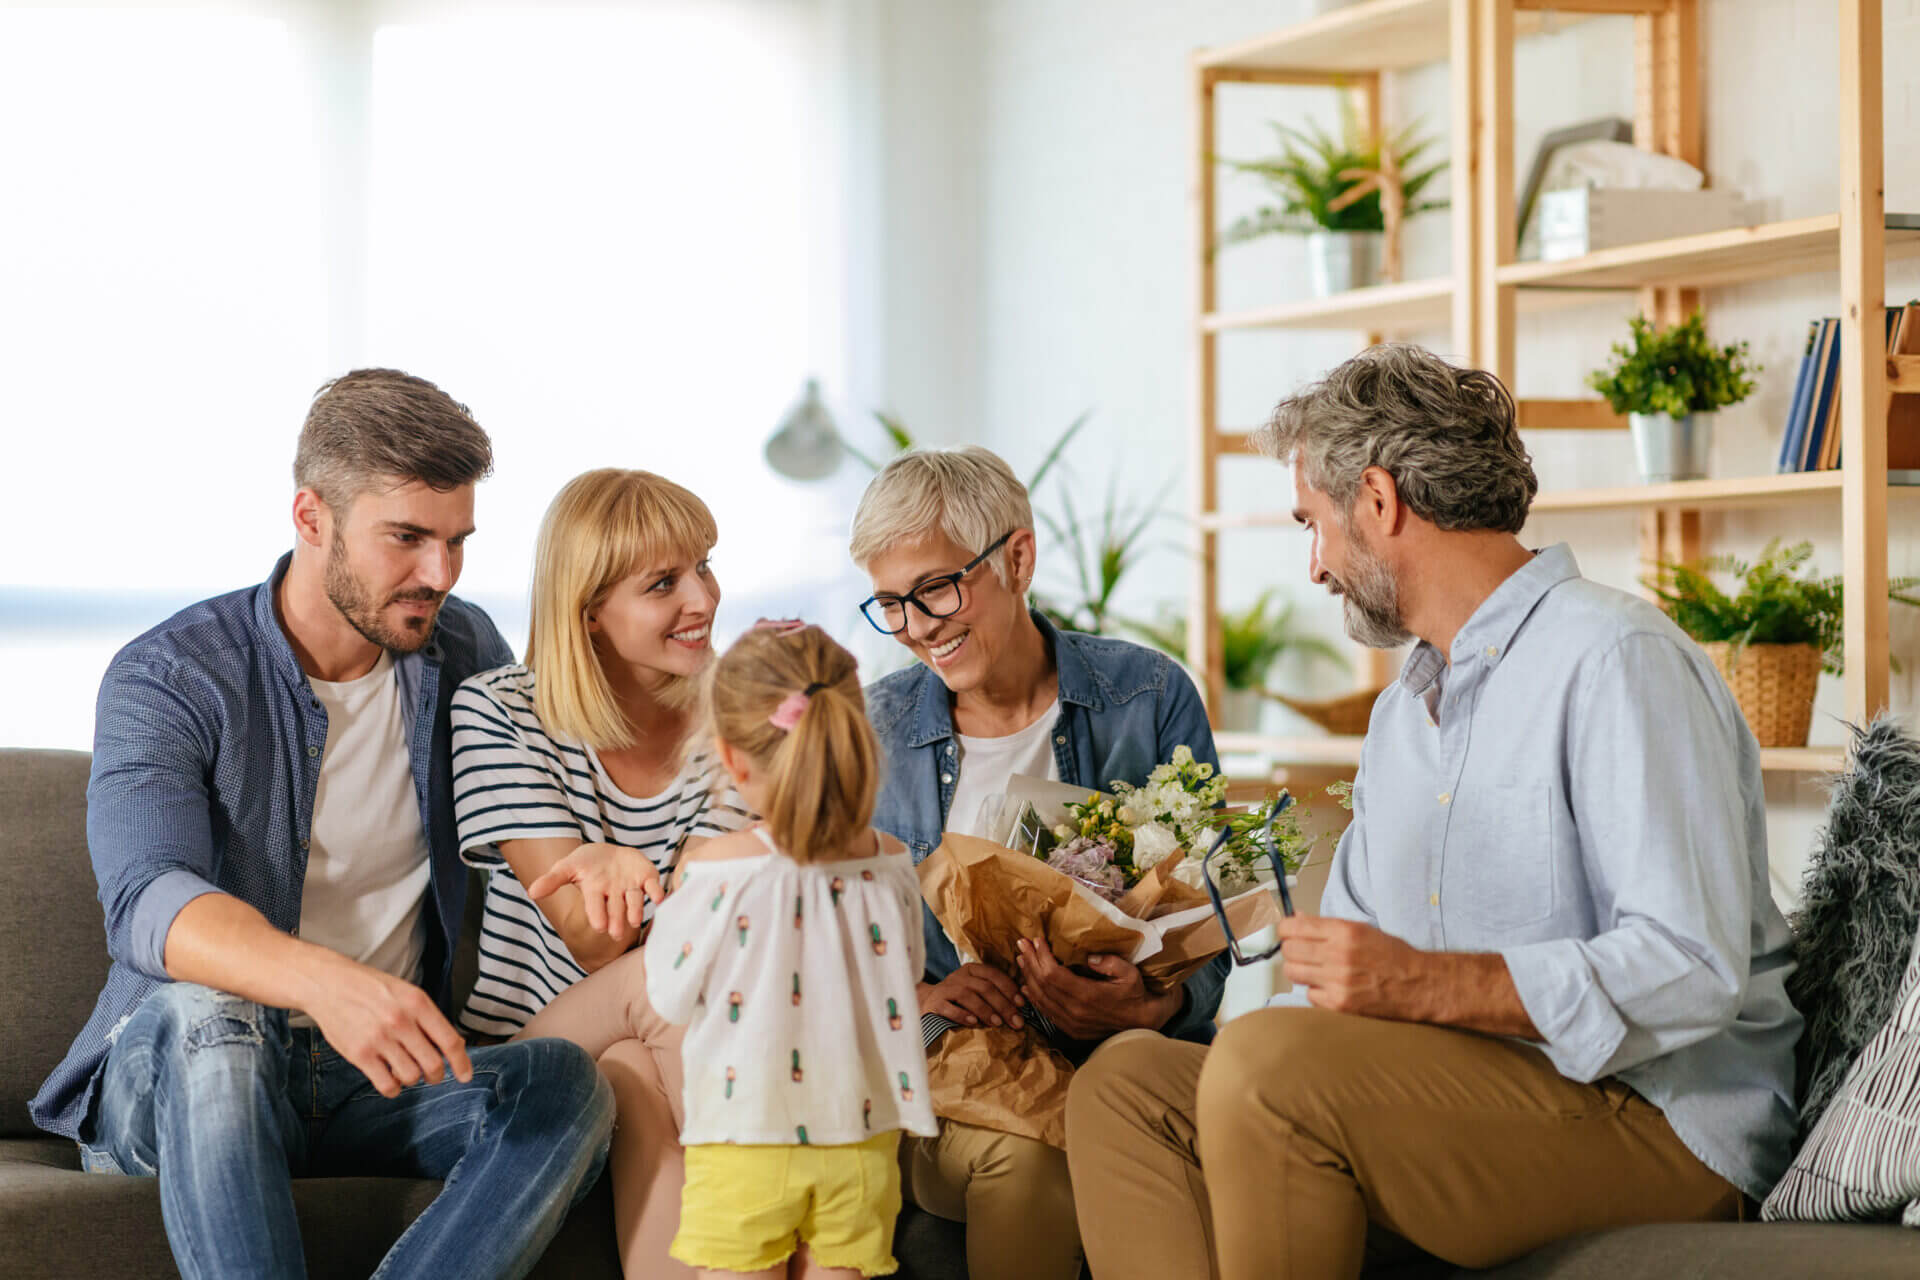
(1485, 291)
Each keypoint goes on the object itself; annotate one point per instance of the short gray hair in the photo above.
(375, 425)
(1445, 434)
(971, 495)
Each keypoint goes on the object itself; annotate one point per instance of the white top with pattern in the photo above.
(797, 985)
(512, 780)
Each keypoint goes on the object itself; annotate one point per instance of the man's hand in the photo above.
(1094, 1008)
(974, 995)
(387, 1028)
(615, 884)
(1351, 967)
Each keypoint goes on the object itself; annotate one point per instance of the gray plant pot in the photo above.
(1671, 448)
(1240, 711)
(1341, 260)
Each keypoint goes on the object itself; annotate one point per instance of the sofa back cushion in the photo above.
(53, 948)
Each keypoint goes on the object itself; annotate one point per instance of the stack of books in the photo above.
(1811, 441)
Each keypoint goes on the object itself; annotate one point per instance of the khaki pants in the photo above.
(1305, 1144)
(1012, 1192)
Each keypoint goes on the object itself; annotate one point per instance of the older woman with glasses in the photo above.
(947, 539)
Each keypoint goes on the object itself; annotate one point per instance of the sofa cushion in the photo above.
(1862, 1160)
(1721, 1251)
(54, 958)
(1859, 910)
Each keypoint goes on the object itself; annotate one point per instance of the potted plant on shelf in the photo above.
(1771, 640)
(1251, 641)
(1669, 382)
(1349, 195)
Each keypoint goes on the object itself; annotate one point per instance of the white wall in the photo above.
(1061, 276)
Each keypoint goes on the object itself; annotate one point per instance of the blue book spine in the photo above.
(1826, 388)
(1797, 405)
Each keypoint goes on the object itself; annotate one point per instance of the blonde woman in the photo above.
(575, 786)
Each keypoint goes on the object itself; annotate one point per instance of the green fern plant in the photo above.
(1251, 640)
(1305, 177)
(1773, 602)
(1675, 370)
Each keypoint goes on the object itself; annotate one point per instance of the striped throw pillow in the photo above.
(1861, 1163)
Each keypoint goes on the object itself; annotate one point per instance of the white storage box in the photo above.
(1580, 220)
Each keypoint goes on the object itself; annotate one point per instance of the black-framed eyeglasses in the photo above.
(936, 597)
(1264, 837)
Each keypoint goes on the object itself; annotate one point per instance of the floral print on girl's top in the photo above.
(837, 989)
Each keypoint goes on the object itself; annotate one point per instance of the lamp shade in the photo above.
(806, 446)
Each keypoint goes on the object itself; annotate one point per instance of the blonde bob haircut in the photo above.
(971, 495)
(601, 528)
(823, 773)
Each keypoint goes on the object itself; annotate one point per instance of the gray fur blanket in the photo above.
(1859, 910)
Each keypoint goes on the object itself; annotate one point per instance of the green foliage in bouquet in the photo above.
(1674, 370)
(1773, 604)
(1251, 640)
(1314, 168)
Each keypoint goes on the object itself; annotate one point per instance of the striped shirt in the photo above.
(512, 780)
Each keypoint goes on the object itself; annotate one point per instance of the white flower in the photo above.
(1064, 832)
(1182, 756)
(1153, 844)
(1135, 810)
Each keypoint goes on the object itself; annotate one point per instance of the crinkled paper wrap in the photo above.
(987, 898)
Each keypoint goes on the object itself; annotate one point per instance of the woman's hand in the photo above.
(974, 995)
(615, 884)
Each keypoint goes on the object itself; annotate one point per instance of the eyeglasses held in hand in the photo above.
(1264, 837)
(936, 597)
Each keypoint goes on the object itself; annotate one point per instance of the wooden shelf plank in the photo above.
(1568, 415)
(1379, 35)
(1803, 759)
(1714, 258)
(1409, 307)
(1740, 492)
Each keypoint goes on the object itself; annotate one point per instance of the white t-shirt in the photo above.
(987, 763)
(512, 780)
(796, 982)
(367, 868)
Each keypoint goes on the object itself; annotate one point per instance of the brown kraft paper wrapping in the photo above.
(987, 898)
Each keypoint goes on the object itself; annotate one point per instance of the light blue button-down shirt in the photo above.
(1578, 792)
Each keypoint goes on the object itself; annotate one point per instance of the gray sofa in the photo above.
(58, 1221)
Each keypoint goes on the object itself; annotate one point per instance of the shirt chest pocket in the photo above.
(1500, 858)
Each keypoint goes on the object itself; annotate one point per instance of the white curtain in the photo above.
(620, 232)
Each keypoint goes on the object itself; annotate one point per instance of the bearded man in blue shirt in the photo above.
(270, 817)
(1546, 991)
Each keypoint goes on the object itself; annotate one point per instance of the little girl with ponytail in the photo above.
(790, 950)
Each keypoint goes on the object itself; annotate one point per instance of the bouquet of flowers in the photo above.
(1108, 843)
(1115, 874)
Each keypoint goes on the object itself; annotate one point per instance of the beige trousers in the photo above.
(1012, 1192)
(1305, 1144)
(607, 1014)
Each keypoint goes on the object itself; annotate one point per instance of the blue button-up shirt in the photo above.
(1578, 791)
(1123, 709)
(207, 745)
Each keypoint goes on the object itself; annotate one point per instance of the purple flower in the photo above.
(1091, 863)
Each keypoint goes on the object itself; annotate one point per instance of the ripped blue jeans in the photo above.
(226, 1104)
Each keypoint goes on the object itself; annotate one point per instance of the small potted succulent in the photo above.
(1349, 195)
(1669, 382)
(1771, 639)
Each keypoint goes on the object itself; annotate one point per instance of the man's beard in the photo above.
(1370, 599)
(351, 598)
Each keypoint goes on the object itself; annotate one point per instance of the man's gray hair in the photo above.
(1445, 434)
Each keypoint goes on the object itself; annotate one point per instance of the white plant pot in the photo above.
(1671, 448)
(1240, 711)
(1338, 261)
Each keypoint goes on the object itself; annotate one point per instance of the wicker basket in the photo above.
(1344, 715)
(1774, 685)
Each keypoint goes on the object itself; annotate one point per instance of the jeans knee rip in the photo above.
(238, 1023)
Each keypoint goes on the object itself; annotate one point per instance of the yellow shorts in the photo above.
(747, 1208)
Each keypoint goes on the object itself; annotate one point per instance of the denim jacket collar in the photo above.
(1080, 686)
(409, 668)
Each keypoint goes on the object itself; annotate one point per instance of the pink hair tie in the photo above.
(780, 626)
(792, 707)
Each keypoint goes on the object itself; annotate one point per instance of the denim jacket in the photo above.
(207, 747)
(1123, 709)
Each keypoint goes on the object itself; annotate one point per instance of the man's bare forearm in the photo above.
(1475, 991)
(221, 942)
